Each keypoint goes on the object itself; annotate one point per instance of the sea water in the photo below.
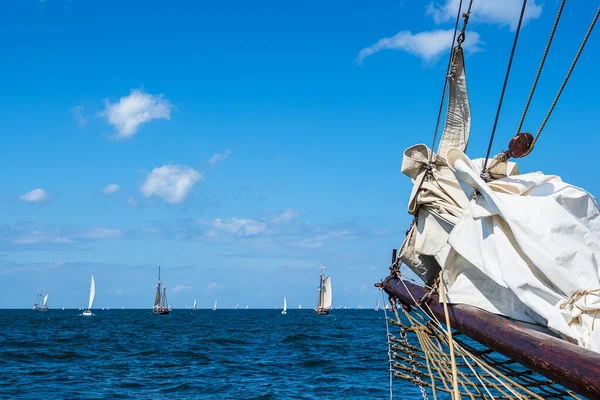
(223, 354)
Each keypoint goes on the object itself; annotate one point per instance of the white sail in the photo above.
(45, 300)
(92, 293)
(284, 305)
(215, 306)
(299, 306)
(327, 299)
(194, 304)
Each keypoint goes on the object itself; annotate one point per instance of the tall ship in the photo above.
(161, 306)
(495, 290)
(324, 295)
(41, 300)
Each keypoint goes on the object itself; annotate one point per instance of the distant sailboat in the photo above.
(215, 306)
(377, 305)
(324, 300)
(237, 306)
(246, 306)
(161, 306)
(41, 300)
(284, 306)
(194, 307)
(299, 306)
(88, 312)
(63, 309)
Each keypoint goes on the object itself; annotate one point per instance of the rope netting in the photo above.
(420, 353)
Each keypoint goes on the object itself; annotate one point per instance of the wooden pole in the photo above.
(567, 364)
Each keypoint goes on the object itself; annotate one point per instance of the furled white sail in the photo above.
(45, 300)
(527, 247)
(92, 293)
(327, 299)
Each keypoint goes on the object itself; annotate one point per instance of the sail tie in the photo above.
(577, 295)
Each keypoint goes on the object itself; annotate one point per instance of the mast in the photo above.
(320, 303)
(157, 299)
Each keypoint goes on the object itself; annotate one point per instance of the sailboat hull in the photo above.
(321, 311)
(87, 313)
(161, 311)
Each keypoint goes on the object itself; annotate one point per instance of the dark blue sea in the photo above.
(223, 354)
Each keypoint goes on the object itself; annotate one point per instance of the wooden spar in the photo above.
(570, 365)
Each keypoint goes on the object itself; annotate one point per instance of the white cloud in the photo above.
(111, 189)
(79, 115)
(172, 183)
(285, 217)
(38, 237)
(500, 12)
(218, 157)
(427, 45)
(212, 287)
(319, 240)
(134, 110)
(181, 288)
(237, 226)
(102, 233)
(35, 196)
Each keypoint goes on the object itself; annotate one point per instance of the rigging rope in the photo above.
(539, 72)
(587, 35)
(460, 41)
(512, 53)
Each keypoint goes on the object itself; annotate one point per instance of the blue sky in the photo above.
(242, 144)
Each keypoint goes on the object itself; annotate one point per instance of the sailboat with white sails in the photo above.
(284, 306)
(324, 300)
(88, 312)
(41, 301)
(161, 306)
(215, 306)
(194, 307)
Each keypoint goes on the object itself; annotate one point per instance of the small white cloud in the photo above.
(172, 183)
(237, 226)
(39, 237)
(499, 12)
(427, 45)
(79, 115)
(134, 110)
(132, 202)
(111, 189)
(285, 217)
(35, 196)
(181, 288)
(319, 240)
(102, 233)
(213, 287)
(218, 157)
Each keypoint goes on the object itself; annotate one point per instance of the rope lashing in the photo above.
(481, 373)
(448, 69)
(510, 60)
(578, 295)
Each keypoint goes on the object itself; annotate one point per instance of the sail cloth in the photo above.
(528, 247)
(524, 246)
(437, 200)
